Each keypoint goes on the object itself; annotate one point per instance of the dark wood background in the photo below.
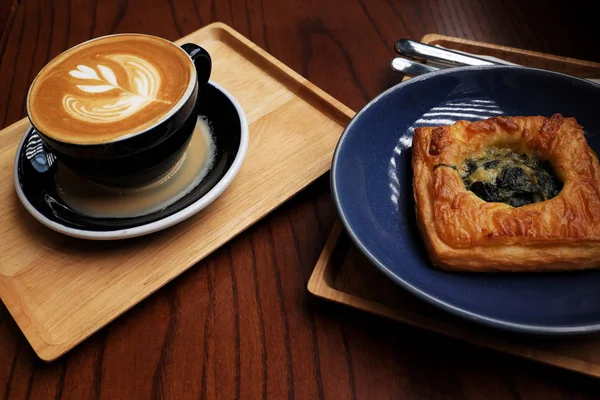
(241, 323)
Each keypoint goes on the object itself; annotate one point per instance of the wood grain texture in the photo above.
(241, 321)
(8, 8)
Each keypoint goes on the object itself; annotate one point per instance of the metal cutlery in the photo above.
(440, 57)
(411, 68)
(420, 51)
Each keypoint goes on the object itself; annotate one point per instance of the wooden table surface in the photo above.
(241, 324)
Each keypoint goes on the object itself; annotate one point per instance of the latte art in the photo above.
(110, 88)
(138, 90)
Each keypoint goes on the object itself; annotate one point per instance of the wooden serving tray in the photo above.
(344, 275)
(60, 290)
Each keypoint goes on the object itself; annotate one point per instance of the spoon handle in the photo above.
(421, 51)
(410, 67)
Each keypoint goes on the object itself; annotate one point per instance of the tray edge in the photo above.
(320, 288)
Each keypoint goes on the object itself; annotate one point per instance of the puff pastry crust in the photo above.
(463, 232)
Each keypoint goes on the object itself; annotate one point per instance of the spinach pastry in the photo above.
(508, 194)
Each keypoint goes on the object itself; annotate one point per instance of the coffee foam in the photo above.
(110, 88)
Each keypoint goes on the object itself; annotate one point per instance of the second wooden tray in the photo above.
(60, 290)
(345, 276)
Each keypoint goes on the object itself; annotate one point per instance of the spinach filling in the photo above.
(505, 176)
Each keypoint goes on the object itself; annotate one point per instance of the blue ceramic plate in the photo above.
(372, 187)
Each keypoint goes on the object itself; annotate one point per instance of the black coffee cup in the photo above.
(144, 156)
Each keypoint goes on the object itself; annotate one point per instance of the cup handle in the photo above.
(201, 60)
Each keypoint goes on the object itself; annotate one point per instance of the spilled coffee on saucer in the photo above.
(101, 202)
(107, 89)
